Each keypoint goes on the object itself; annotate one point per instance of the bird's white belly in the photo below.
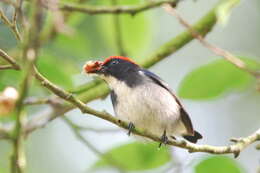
(150, 111)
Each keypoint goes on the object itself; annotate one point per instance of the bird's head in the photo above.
(114, 67)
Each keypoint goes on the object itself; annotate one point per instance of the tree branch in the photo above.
(9, 2)
(9, 59)
(5, 67)
(258, 147)
(39, 101)
(118, 32)
(18, 157)
(5, 133)
(11, 25)
(30, 52)
(76, 130)
(235, 148)
(40, 121)
(218, 51)
(134, 9)
(17, 10)
(90, 129)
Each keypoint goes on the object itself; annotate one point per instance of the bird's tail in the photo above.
(193, 138)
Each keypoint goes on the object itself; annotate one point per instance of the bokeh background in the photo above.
(233, 112)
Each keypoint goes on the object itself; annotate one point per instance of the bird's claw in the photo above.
(164, 139)
(130, 128)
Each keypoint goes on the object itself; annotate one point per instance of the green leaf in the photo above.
(136, 156)
(136, 31)
(214, 79)
(218, 164)
(9, 78)
(85, 42)
(57, 70)
(223, 10)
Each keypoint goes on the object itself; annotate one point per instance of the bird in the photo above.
(143, 99)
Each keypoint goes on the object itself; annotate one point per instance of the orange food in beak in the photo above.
(92, 66)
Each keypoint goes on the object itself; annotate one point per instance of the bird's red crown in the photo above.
(118, 57)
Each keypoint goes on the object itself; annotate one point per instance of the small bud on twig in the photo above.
(8, 99)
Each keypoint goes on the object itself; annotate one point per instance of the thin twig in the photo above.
(10, 2)
(52, 31)
(83, 128)
(9, 59)
(84, 87)
(34, 101)
(39, 101)
(30, 52)
(40, 120)
(258, 147)
(4, 67)
(5, 132)
(11, 25)
(218, 51)
(95, 130)
(17, 10)
(18, 158)
(107, 157)
(118, 32)
(134, 9)
(5, 19)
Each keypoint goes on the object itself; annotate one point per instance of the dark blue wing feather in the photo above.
(113, 98)
(157, 80)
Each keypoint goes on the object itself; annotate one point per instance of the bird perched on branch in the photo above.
(143, 99)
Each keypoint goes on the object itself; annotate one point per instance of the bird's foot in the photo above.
(173, 137)
(164, 139)
(130, 128)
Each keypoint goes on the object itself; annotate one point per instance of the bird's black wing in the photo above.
(113, 98)
(184, 115)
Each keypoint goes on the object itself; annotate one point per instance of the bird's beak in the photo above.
(92, 67)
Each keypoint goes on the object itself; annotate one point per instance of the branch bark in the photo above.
(12, 25)
(9, 59)
(118, 32)
(5, 133)
(5, 67)
(30, 52)
(134, 9)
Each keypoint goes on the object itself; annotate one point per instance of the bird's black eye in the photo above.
(114, 62)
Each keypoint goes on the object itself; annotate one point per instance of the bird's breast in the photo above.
(148, 106)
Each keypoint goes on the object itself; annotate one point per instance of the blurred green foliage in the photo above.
(214, 79)
(136, 31)
(218, 164)
(137, 156)
(224, 10)
(55, 71)
(9, 78)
